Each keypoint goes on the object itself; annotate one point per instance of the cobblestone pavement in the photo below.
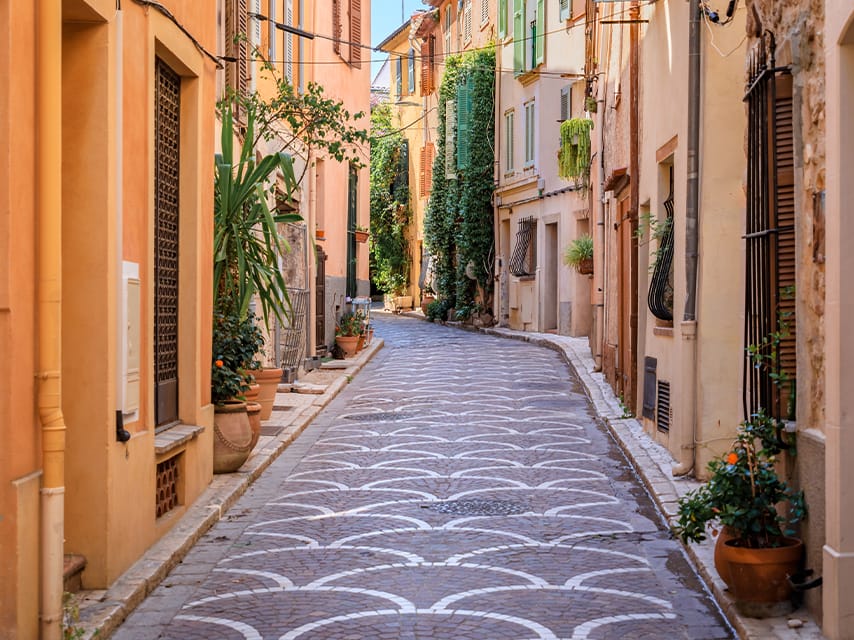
(459, 488)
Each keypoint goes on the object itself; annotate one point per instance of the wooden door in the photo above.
(627, 304)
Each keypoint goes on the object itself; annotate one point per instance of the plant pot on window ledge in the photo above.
(361, 236)
(320, 234)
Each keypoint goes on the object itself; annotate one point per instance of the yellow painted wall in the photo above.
(20, 454)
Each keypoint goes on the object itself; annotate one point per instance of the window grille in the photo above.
(770, 235)
(523, 262)
(167, 123)
(166, 486)
(660, 297)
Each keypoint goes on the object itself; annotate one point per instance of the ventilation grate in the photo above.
(166, 498)
(663, 413)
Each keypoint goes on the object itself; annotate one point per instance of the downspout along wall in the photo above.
(49, 215)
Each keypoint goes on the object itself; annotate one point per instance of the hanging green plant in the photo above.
(574, 154)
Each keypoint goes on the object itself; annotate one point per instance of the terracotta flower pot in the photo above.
(253, 410)
(251, 394)
(721, 565)
(232, 437)
(269, 379)
(761, 575)
(347, 344)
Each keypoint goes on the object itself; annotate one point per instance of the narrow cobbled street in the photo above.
(459, 488)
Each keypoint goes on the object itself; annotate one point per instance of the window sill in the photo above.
(665, 332)
(527, 77)
(175, 437)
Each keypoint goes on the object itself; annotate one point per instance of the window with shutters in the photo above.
(451, 140)
(770, 237)
(336, 26)
(484, 12)
(410, 70)
(356, 33)
(464, 106)
(237, 48)
(425, 174)
(564, 10)
(502, 18)
(448, 23)
(530, 132)
(523, 261)
(289, 42)
(272, 35)
(509, 143)
(428, 65)
(398, 75)
(466, 21)
(566, 103)
(518, 36)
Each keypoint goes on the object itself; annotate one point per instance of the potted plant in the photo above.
(347, 332)
(579, 255)
(235, 342)
(361, 233)
(746, 495)
(246, 253)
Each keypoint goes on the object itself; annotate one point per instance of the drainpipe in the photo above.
(634, 186)
(599, 271)
(48, 165)
(688, 325)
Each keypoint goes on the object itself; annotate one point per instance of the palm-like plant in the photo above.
(247, 245)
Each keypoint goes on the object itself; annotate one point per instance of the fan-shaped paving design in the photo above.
(459, 489)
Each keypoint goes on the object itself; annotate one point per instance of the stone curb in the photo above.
(101, 612)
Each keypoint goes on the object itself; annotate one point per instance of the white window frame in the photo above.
(530, 133)
(510, 142)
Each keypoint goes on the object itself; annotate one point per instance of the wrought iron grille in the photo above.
(524, 259)
(660, 298)
(292, 331)
(167, 497)
(166, 220)
(770, 237)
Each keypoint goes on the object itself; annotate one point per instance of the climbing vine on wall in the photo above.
(390, 208)
(458, 228)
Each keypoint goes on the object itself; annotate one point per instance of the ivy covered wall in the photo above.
(458, 227)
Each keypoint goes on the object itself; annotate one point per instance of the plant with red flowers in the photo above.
(744, 492)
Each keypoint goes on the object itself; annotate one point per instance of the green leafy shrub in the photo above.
(236, 342)
(438, 310)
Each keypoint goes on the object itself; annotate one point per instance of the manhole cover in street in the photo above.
(480, 507)
(380, 416)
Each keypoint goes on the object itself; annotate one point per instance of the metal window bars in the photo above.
(522, 262)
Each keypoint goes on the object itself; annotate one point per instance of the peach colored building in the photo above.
(105, 255)
(539, 84)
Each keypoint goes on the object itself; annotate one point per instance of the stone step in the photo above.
(72, 572)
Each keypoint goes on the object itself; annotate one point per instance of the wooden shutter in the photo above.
(398, 68)
(410, 71)
(425, 174)
(236, 24)
(564, 9)
(336, 26)
(502, 18)
(356, 33)
(450, 140)
(289, 43)
(467, 20)
(565, 104)
(518, 36)
(783, 217)
(484, 11)
(464, 104)
(428, 56)
(540, 42)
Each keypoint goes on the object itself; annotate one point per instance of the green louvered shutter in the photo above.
(502, 18)
(518, 36)
(464, 91)
(540, 45)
